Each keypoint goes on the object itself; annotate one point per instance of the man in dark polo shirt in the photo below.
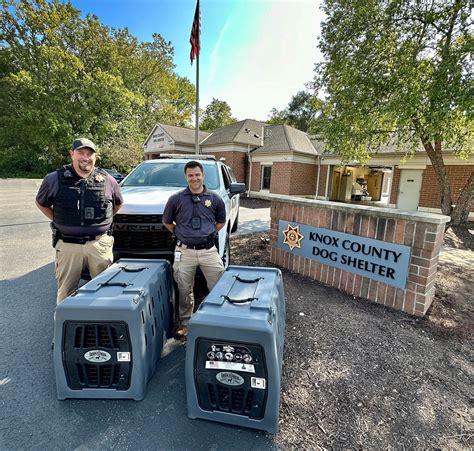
(194, 215)
(80, 200)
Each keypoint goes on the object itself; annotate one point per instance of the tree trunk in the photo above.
(460, 214)
(436, 157)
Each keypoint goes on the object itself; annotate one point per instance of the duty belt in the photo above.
(77, 239)
(80, 239)
(196, 247)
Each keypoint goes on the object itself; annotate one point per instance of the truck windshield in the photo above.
(168, 174)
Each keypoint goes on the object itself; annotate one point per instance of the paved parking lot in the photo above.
(30, 415)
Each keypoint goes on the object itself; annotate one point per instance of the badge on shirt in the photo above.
(99, 178)
(208, 203)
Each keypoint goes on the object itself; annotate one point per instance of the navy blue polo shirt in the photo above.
(180, 209)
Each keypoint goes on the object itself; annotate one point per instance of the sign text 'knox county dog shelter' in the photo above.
(375, 259)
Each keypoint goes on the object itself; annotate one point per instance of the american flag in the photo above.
(195, 34)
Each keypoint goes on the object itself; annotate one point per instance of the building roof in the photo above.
(181, 135)
(248, 132)
(283, 138)
(317, 143)
(388, 148)
(275, 139)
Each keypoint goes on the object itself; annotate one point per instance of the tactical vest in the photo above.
(81, 201)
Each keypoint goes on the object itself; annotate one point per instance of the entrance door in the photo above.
(409, 189)
(336, 178)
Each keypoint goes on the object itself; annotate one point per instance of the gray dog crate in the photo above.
(109, 335)
(234, 353)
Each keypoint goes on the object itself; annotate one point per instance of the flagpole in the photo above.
(196, 138)
(195, 41)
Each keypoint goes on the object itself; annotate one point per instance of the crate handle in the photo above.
(127, 269)
(114, 284)
(247, 280)
(238, 301)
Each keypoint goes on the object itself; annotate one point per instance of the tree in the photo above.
(278, 117)
(63, 76)
(400, 71)
(121, 153)
(304, 112)
(217, 114)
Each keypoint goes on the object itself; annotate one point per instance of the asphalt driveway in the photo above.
(30, 415)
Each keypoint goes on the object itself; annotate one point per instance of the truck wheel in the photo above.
(226, 253)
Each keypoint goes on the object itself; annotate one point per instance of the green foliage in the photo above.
(217, 114)
(63, 76)
(121, 153)
(277, 117)
(304, 112)
(399, 72)
(396, 71)
(21, 162)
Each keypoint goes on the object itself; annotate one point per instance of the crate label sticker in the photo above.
(123, 356)
(97, 356)
(233, 366)
(258, 382)
(228, 378)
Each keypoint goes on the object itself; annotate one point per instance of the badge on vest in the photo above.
(89, 213)
(99, 178)
(207, 203)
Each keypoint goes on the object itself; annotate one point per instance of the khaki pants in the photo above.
(184, 271)
(71, 259)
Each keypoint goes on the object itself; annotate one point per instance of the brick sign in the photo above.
(375, 259)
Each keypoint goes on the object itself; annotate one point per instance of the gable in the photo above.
(158, 138)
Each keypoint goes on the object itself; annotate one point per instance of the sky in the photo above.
(255, 54)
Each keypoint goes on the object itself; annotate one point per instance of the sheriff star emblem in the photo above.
(99, 178)
(207, 203)
(293, 237)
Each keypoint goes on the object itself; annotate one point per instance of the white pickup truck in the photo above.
(138, 229)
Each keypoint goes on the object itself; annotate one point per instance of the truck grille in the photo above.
(111, 337)
(142, 233)
(138, 219)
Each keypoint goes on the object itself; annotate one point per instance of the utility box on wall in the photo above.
(234, 354)
(345, 187)
(374, 184)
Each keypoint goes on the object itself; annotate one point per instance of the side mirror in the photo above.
(237, 188)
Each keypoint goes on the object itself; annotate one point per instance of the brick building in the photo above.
(279, 159)
(409, 185)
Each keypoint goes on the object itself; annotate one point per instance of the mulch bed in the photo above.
(359, 375)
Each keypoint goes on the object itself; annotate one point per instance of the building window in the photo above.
(266, 177)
